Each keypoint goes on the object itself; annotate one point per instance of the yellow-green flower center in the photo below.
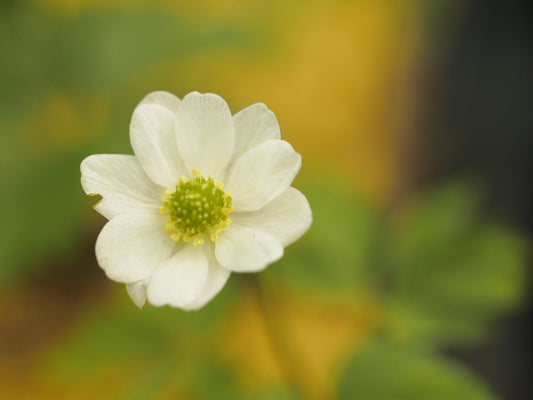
(198, 207)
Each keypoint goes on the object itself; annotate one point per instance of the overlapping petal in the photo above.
(217, 276)
(262, 173)
(153, 138)
(122, 183)
(254, 125)
(137, 292)
(205, 133)
(131, 246)
(244, 249)
(179, 281)
(162, 98)
(287, 217)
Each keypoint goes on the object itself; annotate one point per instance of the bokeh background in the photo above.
(415, 126)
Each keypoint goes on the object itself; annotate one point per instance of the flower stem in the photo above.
(289, 360)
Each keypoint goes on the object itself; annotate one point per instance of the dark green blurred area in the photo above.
(360, 307)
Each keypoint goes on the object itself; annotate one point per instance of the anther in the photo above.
(197, 207)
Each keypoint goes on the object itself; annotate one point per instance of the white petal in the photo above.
(243, 249)
(254, 125)
(131, 246)
(122, 183)
(154, 142)
(287, 217)
(137, 292)
(162, 98)
(179, 281)
(205, 133)
(216, 279)
(262, 173)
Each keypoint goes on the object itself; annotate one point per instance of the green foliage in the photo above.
(441, 270)
(40, 215)
(452, 272)
(338, 251)
(383, 371)
(153, 353)
(162, 349)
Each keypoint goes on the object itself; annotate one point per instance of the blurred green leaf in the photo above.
(432, 226)
(276, 394)
(452, 272)
(386, 372)
(124, 333)
(40, 214)
(100, 47)
(152, 351)
(337, 252)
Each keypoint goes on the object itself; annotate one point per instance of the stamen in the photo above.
(198, 207)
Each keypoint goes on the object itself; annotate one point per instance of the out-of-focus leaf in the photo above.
(277, 394)
(161, 353)
(432, 226)
(337, 252)
(155, 334)
(386, 372)
(452, 273)
(99, 48)
(40, 214)
(157, 350)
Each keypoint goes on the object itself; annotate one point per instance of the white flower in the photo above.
(205, 194)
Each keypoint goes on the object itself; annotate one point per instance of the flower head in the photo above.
(205, 194)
